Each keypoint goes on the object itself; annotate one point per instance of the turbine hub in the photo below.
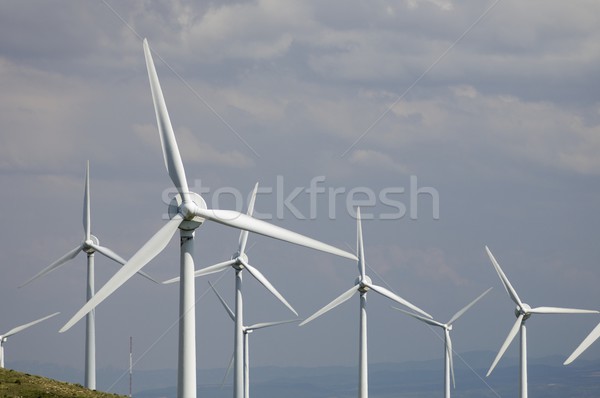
(191, 222)
(363, 283)
(524, 310)
(238, 257)
(87, 244)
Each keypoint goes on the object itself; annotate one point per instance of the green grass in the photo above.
(15, 384)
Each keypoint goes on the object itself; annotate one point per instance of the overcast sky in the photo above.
(493, 106)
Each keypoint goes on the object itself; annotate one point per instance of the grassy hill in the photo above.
(23, 385)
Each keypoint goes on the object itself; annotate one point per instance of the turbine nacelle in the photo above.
(188, 211)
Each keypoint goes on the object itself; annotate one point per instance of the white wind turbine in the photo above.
(588, 341)
(523, 312)
(239, 262)
(89, 245)
(5, 336)
(188, 211)
(448, 363)
(362, 285)
(246, 330)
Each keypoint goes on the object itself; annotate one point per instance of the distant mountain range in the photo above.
(548, 378)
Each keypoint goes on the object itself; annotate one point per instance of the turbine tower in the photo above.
(523, 312)
(588, 341)
(362, 285)
(246, 330)
(188, 211)
(448, 363)
(13, 331)
(239, 262)
(90, 245)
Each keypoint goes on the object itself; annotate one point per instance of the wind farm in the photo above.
(428, 128)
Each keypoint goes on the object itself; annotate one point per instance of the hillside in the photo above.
(23, 385)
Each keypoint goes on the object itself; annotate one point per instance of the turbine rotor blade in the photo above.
(559, 310)
(86, 203)
(168, 142)
(207, 270)
(244, 233)
(242, 221)
(227, 309)
(428, 321)
(58, 263)
(106, 252)
(465, 308)
(27, 325)
(393, 296)
(115, 257)
(588, 341)
(511, 335)
(512, 293)
(359, 245)
(337, 301)
(261, 278)
(263, 325)
(142, 257)
(450, 351)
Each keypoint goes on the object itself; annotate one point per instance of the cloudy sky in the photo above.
(491, 107)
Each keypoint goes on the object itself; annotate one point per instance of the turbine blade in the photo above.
(244, 233)
(168, 142)
(143, 256)
(558, 310)
(421, 318)
(263, 325)
(227, 309)
(359, 245)
(261, 278)
(465, 308)
(69, 256)
(228, 369)
(106, 252)
(588, 341)
(393, 296)
(115, 257)
(449, 352)
(507, 286)
(242, 221)
(207, 270)
(23, 327)
(511, 335)
(86, 203)
(337, 301)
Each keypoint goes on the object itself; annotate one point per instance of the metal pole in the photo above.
(90, 333)
(238, 361)
(363, 371)
(186, 372)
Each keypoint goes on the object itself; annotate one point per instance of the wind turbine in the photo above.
(246, 330)
(362, 285)
(90, 245)
(5, 336)
(188, 211)
(588, 341)
(523, 312)
(448, 363)
(239, 262)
